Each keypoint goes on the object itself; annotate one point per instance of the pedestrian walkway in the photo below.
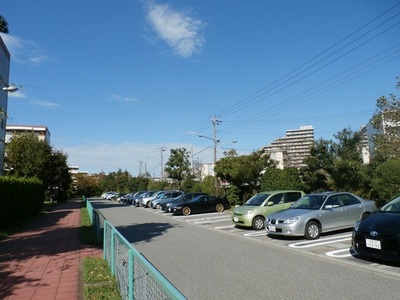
(43, 260)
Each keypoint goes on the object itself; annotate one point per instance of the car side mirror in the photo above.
(270, 203)
(328, 206)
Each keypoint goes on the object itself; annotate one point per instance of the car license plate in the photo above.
(272, 228)
(235, 219)
(373, 244)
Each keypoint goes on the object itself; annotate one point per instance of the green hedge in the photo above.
(19, 198)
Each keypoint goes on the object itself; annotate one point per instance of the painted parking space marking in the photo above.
(335, 253)
(320, 241)
(211, 220)
(255, 233)
(207, 219)
(225, 227)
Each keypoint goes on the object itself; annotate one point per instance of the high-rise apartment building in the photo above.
(290, 150)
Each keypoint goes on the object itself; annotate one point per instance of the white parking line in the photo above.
(255, 233)
(225, 227)
(209, 218)
(213, 220)
(322, 241)
(334, 253)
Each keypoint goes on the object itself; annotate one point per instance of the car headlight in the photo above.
(291, 220)
(248, 212)
(357, 225)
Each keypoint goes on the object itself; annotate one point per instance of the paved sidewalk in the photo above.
(43, 261)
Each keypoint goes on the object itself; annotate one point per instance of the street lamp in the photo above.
(8, 88)
(233, 141)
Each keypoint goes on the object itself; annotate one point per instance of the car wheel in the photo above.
(186, 211)
(313, 231)
(158, 206)
(258, 223)
(219, 208)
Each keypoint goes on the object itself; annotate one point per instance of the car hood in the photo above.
(243, 208)
(381, 221)
(292, 212)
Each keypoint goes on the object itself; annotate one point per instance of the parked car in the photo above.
(253, 212)
(147, 201)
(108, 195)
(147, 197)
(138, 198)
(202, 203)
(166, 206)
(317, 213)
(378, 235)
(168, 196)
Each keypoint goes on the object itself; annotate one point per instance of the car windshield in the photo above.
(393, 206)
(257, 199)
(312, 202)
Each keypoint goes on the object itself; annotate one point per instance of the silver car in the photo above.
(317, 213)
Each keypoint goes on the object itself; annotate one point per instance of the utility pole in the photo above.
(162, 149)
(215, 121)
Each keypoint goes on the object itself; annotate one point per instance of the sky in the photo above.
(121, 83)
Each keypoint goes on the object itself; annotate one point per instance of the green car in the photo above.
(254, 211)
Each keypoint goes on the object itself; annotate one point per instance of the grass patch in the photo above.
(88, 232)
(98, 282)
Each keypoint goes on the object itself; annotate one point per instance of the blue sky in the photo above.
(116, 81)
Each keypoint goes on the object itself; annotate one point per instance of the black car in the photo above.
(378, 235)
(167, 205)
(202, 203)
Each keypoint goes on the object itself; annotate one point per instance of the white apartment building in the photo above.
(4, 74)
(290, 150)
(41, 132)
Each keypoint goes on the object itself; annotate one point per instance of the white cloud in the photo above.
(123, 99)
(45, 103)
(182, 32)
(24, 51)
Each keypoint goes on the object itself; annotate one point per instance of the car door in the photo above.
(278, 201)
(354, 209)
(203, 204)
(333, 214)
(290, 198)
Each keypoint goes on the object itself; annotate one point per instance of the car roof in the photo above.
(279, 191)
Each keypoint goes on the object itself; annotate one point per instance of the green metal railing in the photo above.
(137, 278)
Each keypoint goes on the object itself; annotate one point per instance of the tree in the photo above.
(56, 176)
(387, 120)
(386, 180)
(3, 25)
(348, 161)
(244, 172)
(319, 166)
(276, 179)
(26, 156)
(178, 164)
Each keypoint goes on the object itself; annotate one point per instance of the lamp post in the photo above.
(233, 141)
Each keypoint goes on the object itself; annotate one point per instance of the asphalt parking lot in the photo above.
(334, 246)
